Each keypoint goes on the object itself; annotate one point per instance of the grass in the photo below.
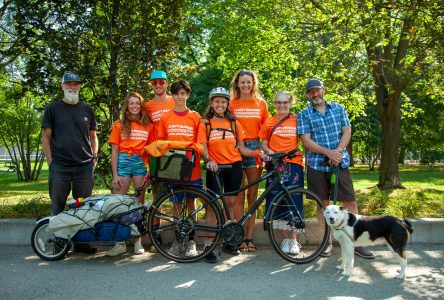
(423, 196)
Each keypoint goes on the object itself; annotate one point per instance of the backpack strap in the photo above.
(233, 130)
(279, 124)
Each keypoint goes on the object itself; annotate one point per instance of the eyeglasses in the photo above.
(158, 82)
(282, 102)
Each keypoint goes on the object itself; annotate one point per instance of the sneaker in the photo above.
(211, 258)
(295, 248)
(327, 251)
(230, 250)
(364, 253)
(175, 249)
(138, 248)
(191, 249)
(285, 246)
(118, 249)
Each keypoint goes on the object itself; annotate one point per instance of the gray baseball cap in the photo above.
(70, 77)
(313, 83)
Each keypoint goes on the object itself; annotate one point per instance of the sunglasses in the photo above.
(282, 102)
(158, 82)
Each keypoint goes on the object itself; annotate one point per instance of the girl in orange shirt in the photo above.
(279, 134)
(128, 137)
(251, 112)
(224, 141)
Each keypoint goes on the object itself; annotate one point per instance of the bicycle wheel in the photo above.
(185, 230)
(47, 246)
(298, 241)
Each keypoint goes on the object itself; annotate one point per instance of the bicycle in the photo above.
(209, 221)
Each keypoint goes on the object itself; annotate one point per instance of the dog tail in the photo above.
(407, 225)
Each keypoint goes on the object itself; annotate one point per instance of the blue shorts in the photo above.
(292, 175)
(177, 198)
(250, 162)
(130, 165)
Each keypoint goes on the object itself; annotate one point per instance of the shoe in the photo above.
(175, 249)
(84, 249)
(211, 258)
(243, 247)
(251, 246)
(285, 246)
(138, 248)
(327, 251)
(191, 249)
(230, 250)
(152, 249)
(364, 253)
(118, 249)
(295, 248)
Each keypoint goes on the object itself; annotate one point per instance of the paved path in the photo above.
(262, 275)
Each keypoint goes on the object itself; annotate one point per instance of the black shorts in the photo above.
(230, 178)
(319, 183)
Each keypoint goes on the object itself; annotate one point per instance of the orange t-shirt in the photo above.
(223, 151)
(156, 110)
(284, 138)
(186, 128)
(251, 114)
(135, 142)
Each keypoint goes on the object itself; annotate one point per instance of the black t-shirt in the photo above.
(70, 124)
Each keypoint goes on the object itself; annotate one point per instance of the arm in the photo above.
(248, 152)
(345, 138)
(94, 144)
(264, 146)
(46, 142)
(116, 179)
(334, 155)
(209, 163)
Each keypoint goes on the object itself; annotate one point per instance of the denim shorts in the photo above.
(130, 165)
(177, 198)
(250, 162)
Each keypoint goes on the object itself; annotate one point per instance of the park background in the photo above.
(382, 60)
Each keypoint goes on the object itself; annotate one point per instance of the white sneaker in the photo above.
(118, 249)
(191, 249)
(294, 247)
(285, 246)
(175, 249)
(138, 248)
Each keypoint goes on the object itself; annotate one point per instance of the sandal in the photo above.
(244, 246)
(251, 246)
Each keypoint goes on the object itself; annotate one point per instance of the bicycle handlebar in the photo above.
(220, 167)
(277, 156)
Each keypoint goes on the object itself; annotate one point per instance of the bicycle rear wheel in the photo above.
(47, 246)
(285, 228)
(181, 233)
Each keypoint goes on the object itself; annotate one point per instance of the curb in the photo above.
(18, 231)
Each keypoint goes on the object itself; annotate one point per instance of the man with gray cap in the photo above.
(70, 145)
(325, 132)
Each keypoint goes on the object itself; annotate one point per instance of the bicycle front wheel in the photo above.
(185, 225)
(296, 227)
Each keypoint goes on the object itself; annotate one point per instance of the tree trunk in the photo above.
(390, 116)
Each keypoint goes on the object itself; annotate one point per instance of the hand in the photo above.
(335, 157)
(212, 166)
(117, 183)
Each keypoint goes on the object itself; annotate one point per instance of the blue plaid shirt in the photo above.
(326, 130)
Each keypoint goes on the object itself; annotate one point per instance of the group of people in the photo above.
(235, 130)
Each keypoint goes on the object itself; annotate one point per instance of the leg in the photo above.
(138, 182)
(252, 174)
(82, 181)
(59, 187)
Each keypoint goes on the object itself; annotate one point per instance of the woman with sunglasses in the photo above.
(250, 111)
(279, 134)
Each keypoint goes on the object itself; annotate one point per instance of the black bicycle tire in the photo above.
(58, 256)
(165, 197)
(271, 232)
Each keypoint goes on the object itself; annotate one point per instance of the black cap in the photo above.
(70, 77)
(313, 83)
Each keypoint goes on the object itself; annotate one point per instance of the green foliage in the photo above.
(35, 207)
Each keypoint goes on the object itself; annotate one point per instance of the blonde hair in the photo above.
(142, 118)
(285, 94)
(235, 90)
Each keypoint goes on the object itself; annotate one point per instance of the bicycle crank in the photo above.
(233, 234)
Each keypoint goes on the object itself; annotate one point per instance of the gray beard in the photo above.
(71, 97)
(317, 101)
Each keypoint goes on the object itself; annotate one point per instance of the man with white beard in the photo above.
(70, 145)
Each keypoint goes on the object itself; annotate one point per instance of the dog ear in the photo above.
(342, 208)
